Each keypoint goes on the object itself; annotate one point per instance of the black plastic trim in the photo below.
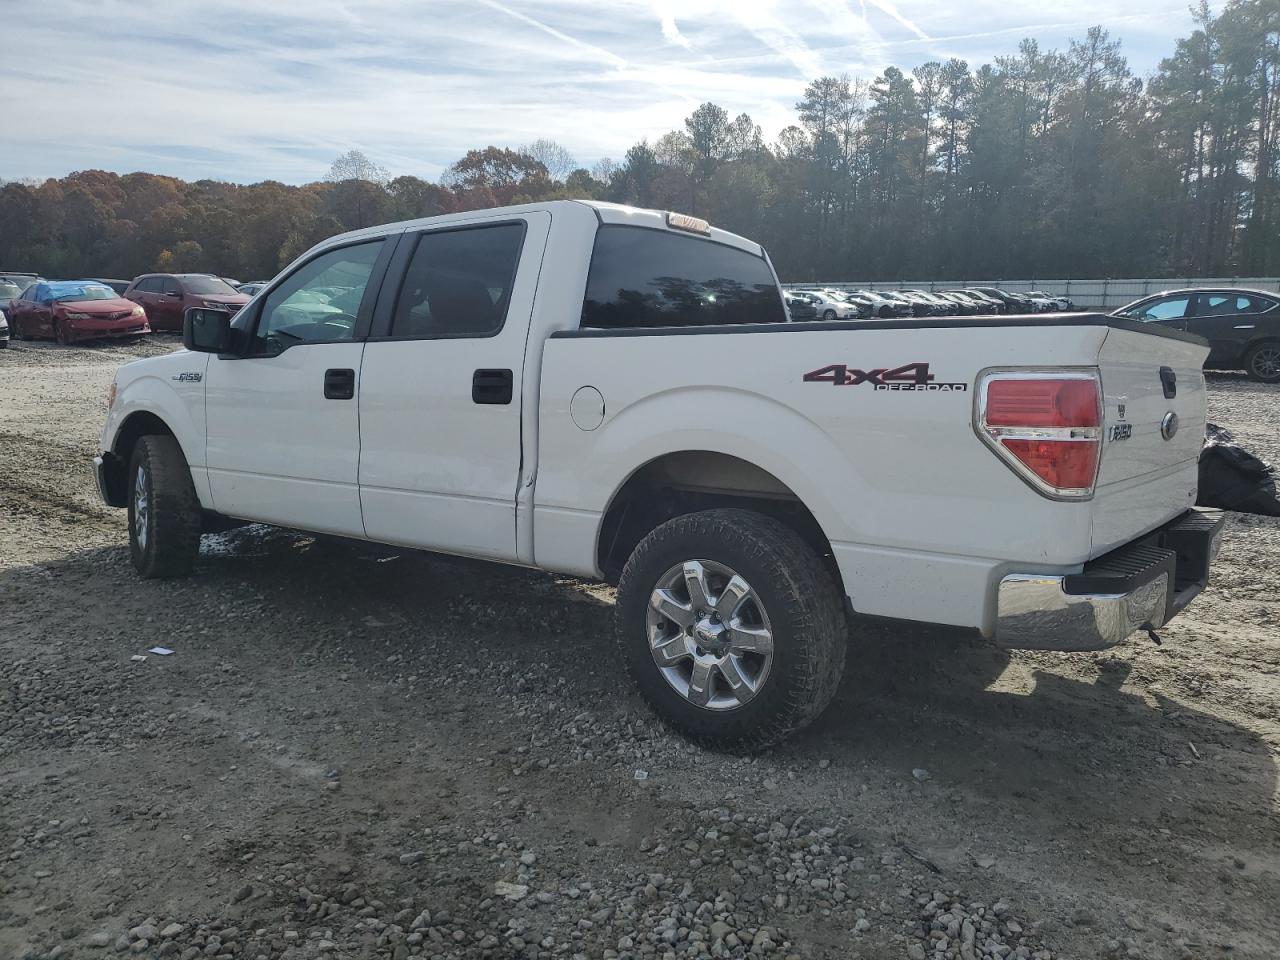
(903, 323)
(1180, 548)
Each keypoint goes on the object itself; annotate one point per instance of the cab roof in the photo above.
(612, 213)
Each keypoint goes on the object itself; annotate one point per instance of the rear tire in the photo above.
(765, 606)
(1262, 362)
(828, 315)
(164, 512)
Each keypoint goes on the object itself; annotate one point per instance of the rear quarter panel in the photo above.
(913, 502)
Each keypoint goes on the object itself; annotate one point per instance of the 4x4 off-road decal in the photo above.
(909, 376)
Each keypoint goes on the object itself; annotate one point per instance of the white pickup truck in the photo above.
(615, 393)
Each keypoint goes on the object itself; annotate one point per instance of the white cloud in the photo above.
(241, 90)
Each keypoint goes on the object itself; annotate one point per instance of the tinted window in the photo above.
(169, 285)
(319, 301)
(1222, 304)
(650, 278)
(458, 283)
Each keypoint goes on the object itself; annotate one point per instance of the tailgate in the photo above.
(1153, 427)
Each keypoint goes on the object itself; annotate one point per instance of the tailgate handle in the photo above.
(1169, 380)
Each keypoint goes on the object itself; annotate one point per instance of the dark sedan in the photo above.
(801, 307)
(1242, 326)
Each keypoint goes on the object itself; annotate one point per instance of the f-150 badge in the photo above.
(188, 376)
(909, 376)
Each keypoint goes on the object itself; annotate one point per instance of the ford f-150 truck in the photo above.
(616, 393)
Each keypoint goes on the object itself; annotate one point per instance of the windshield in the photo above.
(8, 291)
(74, 293)
(208, 285)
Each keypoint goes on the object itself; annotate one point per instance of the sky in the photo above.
(276, 89)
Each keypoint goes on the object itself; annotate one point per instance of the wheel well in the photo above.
(138, 425)
(686, 482)
(116, 464)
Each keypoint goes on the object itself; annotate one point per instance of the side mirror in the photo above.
(206, 331)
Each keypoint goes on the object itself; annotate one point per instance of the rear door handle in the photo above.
(491, 386)
(339, 384)
(1169, 381)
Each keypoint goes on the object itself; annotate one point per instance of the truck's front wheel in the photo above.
(731, 627)
(164, 513)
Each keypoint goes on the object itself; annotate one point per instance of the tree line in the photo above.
(1043, 163)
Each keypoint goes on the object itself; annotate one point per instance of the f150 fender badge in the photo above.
(909, 376)
(188, 376)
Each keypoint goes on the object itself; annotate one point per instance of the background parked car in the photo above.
(252, 287)
(939, 305)
(960, 305)
(1059, 303)
(166, 296)
(70, 310)
(119, 286)
(1013, 302)
(8, 290)
(800, 307)
(884, 307)
(22, 280)
(831, 307)
(1242, 326)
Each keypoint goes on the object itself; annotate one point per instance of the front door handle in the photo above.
(339, 384)
(491, 386)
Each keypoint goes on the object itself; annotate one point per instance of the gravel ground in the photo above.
(358, 753)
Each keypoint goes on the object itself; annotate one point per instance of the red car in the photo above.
(69, 310)
(166, 296)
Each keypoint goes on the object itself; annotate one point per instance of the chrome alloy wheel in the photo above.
(1266, 362)
(141, 505)
(709, 634)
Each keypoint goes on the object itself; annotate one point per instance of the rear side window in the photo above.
(458, 283)
(650, 278)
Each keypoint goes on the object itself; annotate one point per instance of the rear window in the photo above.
(649, 278)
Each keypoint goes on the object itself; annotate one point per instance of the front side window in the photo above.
(319, 302)
(1172, 308)
(170, 286)
(458, 283)
(641, 277)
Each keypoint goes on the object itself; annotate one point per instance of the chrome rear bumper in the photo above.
(1143, 584)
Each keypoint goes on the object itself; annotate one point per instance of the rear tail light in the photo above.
(1046, 425)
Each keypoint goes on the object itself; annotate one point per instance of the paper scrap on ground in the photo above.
(137, 658)
(160, 651)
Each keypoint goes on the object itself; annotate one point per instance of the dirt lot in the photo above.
(353, 753)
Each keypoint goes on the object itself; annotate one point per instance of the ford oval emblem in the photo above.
(1169, 425)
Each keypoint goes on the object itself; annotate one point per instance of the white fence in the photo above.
(1093, 294)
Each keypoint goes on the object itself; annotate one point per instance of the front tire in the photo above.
(1262, 363)
(164, 512)
(828, 315)
(60, 333)
(732, 628)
